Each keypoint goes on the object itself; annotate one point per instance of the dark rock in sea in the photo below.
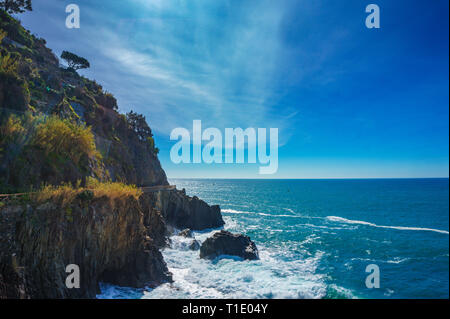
(186, 233)
(195, 245)
(182, 211)
(226, 243)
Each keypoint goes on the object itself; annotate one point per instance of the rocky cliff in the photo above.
(59, 127)
(114, 240)
(107, 239)
(35, 87)
(182, 211)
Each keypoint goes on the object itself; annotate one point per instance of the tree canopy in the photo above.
(138, 124)
(74, 61)
(16, 6)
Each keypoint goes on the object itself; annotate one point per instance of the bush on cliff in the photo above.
(15, 31)
(66, 193)
(62, 138)
(14, 93)
(8, 64)
(50, 150)
(11, 131)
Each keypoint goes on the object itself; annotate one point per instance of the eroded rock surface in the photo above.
(106, 238)
(185, 233)
(226, 243)
(182, 211)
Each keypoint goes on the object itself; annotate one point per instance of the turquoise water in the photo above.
(316, 238)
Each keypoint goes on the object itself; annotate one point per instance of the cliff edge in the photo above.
(76, 161)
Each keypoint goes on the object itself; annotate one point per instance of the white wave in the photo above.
(347, 293)
(397, 260)
(109, 291)
(309, 240)
(233, 211)
(360, 222)
(268, 277)
(389, 292)
(281, 215)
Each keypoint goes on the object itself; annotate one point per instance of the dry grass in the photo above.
(112, 190)
(11, 129)
(63, 193)
(66, 193)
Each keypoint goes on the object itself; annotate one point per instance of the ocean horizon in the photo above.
(315, 239)
(304, 179)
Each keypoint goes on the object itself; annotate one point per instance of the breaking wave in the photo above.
(360, 222)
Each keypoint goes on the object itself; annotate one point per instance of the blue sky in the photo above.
(349, 102)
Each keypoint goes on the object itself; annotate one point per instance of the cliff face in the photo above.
(34, 87)
(111, 240)
(45, 112)
(106, 239)
(128, 157)
(182, 211)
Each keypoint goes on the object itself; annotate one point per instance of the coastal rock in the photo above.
(154, 222)
(105, 237)
(186, 233)
(130, 159)
(182, 211)
(195, 245)
(226, 243)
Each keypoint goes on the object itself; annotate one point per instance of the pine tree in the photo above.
(16, 6)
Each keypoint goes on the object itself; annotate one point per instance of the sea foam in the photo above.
(360, 222)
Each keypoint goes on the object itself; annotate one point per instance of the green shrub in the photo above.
(14, 30)
(14, 92)
(62, 138)
(8, 64)
(11, 130)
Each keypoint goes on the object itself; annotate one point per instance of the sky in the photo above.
(348, 101)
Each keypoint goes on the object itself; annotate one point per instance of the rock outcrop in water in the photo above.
(186, 233)
(182, 211)
(195, 245)
(226, 243)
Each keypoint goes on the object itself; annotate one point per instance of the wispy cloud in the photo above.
(176, 57)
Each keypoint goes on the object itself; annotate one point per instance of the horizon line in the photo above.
(310, 178)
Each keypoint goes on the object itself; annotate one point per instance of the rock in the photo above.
(156, 227)
(154, 222)
(186, 233)
(183, 211)
(226, 243)
(106, 238)
(195, 245)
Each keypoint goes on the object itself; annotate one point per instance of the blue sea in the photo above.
(315, 240)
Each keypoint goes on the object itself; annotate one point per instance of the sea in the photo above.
(316, 239)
